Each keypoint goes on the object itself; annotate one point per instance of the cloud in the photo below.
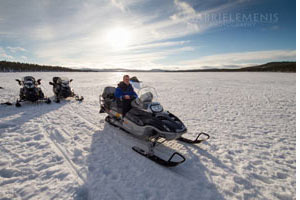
(50, 22)
(184, 10)
(15, 49)
(119, 4)
(43, 32)
(24, 58)
(4, 55)
(157, 45)
(135, 57)
(73, 33)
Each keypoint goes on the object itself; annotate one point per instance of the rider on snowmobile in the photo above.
(125, 94)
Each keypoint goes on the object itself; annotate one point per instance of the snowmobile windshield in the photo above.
(29, 82)
(29, 78)
(148, 95)
(64, 82)
(136, 85)
(148, 98)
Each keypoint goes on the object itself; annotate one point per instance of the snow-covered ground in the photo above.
(67, 151)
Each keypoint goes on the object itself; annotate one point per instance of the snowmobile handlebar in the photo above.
(50, 83)
(38, 81)
(19, 81)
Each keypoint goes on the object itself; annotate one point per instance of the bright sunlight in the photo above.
(118, 38)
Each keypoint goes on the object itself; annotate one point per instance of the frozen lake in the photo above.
(67, 151)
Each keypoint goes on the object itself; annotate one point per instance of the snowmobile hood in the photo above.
(28, 78)
(64, 80)
(29, 82)
(170, 122)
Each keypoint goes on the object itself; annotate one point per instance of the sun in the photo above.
(118, 38)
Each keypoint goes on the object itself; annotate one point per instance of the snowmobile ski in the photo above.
(77, 98)
(46, 100)
(153, 157)
(195, 141)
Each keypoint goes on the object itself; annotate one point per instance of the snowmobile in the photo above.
(31, 91)
(62, 89)
(147, 120)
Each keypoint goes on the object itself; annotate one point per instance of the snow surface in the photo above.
(67, 151)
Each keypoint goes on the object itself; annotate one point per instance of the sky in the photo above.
(148, 34)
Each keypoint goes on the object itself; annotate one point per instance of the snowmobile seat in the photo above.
(109, 98)
(109, 93)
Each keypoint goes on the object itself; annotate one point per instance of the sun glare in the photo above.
(118, 38)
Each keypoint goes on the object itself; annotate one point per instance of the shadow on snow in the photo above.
(115, 171)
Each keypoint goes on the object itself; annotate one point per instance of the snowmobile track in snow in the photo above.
(60, 151)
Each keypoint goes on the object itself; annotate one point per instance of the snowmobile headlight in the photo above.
(156, 108)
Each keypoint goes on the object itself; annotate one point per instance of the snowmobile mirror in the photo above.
(39, 81)
(19, 81)
(71, 80)
(50, 83)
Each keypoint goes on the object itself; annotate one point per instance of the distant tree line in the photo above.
(273, 67)
(6, 66)
(268, 67)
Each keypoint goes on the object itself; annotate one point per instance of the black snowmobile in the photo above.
(147, 120)
(62, 89)
(31, 91)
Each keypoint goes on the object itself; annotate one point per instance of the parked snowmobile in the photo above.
(31, 91)
(149, 121)
(62, 89)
